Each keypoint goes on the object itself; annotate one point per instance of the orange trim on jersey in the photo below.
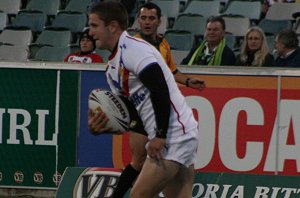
(125, 78)
(117, 157)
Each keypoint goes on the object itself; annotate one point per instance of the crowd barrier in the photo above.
(248, 122)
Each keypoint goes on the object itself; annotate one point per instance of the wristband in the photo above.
(187, 82)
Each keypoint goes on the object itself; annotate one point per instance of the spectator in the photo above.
(213, 50)
(286, 44)
(87, 52)
(255, 50)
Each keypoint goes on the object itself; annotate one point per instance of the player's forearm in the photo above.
(152, 77)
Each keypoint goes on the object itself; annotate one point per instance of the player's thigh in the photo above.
(154, 176)
(137, 144)
(181, 186)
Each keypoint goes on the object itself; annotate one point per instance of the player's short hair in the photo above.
(216, 19)
(288, 38)
(150, 6)
(109, 11)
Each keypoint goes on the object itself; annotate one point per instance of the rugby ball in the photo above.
(114, 108)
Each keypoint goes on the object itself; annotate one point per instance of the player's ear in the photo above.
(113, 26)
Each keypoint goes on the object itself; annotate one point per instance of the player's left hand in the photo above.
(196, 83)
(155, 146)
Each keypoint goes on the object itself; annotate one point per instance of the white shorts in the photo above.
(183, 152)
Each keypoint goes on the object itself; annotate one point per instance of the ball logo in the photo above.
(117, 103)
(38, 177)
(56, 178)
(96, 182)
(19, 177)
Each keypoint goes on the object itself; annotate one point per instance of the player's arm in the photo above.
(153, 78)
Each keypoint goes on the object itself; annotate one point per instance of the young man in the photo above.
(136, 70)
(87, 52)
(213, 49)
(149, 15)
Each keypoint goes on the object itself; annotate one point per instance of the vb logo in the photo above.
(96, 183)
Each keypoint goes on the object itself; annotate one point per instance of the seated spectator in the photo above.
(255, 50)
(286, 45)
(213, 49)
(87, 52)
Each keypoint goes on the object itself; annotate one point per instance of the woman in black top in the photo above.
(255, 50)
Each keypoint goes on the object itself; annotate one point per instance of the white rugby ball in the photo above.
(112, 106)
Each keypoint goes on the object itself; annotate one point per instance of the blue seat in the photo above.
(49, 7)
(77, 5)
(204, 8)
(74, 21)
(190, 22)
(180, 40)
(270, 26)
(3, 20)
(34, 20)
(53, 54)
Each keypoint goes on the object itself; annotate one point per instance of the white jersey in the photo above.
(131, 57)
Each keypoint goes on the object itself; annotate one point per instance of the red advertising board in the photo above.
(247, 124)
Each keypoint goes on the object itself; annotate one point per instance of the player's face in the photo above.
(149, 22)
(86, 45)
(100, 32)
(214, 32)
(254, 41)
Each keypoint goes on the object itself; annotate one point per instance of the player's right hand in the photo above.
(97, 122)
(155, 147)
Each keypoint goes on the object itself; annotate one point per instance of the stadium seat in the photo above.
(282, 11)
(34, 20)
(179, 55)
(11, 7)
(237, 25)
(51, 37)
(204, 8)
(270, 40)
(13, 53)
(3, 20)
(169, 8)
(53, 54)
(190, 22)
(77, 5)
(230, 40)
(180, 40)
(271, 27)
(49, 7)
(74, 21)
(16, 36)
(249, 9)
(104, 54)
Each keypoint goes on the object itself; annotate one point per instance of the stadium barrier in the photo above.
(101, 182)
(248, 122)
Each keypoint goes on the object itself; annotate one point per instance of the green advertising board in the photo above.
(100, 182)
(38, 109)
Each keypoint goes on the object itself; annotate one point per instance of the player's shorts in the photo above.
(136, 124)
(183, 152)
